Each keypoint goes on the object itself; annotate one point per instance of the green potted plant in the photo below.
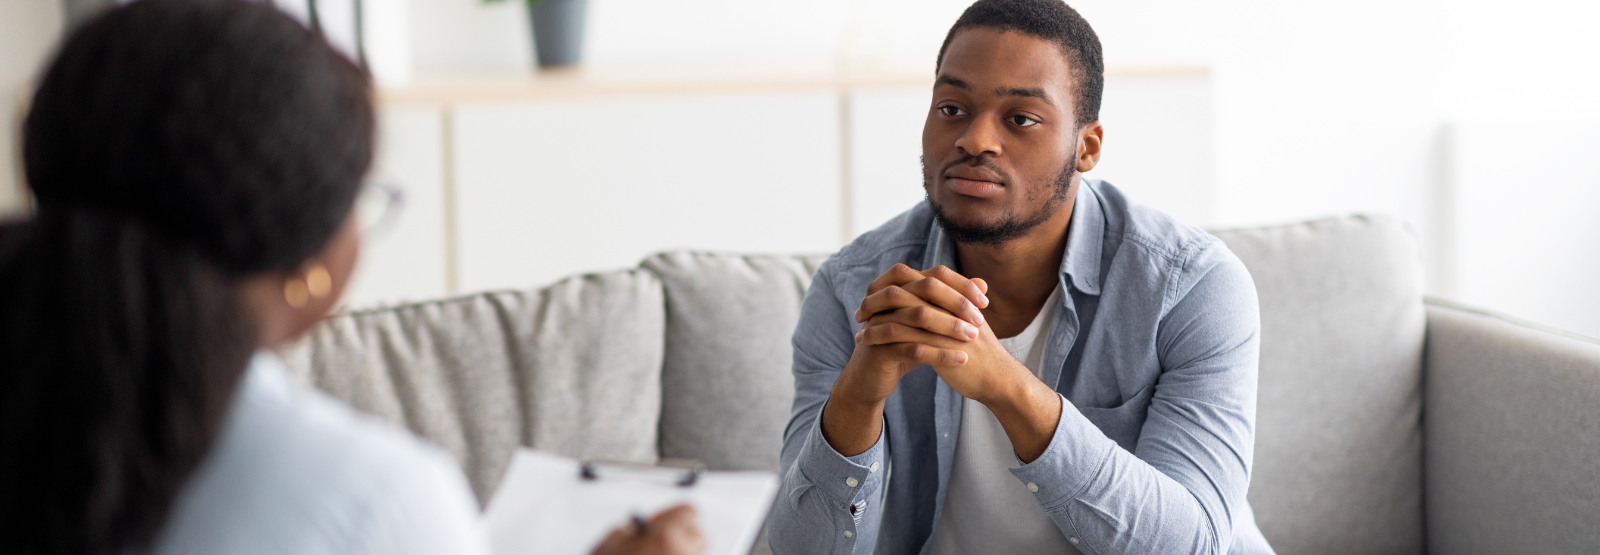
(557, 30)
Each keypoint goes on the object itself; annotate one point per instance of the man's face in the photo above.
(1000, 143)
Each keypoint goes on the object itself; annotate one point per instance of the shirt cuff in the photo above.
(1071, 460)
(842, 479)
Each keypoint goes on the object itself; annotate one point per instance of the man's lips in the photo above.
(974, 181)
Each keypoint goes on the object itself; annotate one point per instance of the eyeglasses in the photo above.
(378, 208)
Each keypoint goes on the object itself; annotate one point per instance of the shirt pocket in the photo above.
(1122, 423)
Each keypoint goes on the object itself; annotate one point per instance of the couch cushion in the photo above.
(1338, 465)
(1513, 437)
(573, 368)
(726, 380)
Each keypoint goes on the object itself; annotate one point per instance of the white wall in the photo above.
(28, 30)
(1524, 231)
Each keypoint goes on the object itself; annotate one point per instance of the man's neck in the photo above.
(1021, 272)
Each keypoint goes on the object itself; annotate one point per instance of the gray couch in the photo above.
(1387, 423)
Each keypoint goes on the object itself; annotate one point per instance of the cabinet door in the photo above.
(549, 188)
(405, 259)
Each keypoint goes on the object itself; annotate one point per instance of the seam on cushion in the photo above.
(1445, 303)
(469, 296)
(525, 380)
(645, 265)
(1368, 220)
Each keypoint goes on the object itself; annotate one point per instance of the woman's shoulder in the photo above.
(298, 471)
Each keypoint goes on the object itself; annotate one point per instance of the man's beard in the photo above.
(1012, 225)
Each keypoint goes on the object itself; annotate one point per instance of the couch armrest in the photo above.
(1511, 428)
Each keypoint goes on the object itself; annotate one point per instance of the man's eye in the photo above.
(1023, 121)
(950, 110)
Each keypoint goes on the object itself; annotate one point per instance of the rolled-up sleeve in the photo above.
(1181, 487)
(825, 504)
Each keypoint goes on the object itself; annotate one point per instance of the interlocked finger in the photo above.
(895, 332)
(939, 286)
(938, 293)
(889, 298)
(929, 318)
(899, 274)
(975, 290)
(919, 353)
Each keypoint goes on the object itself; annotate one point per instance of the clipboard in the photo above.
(555, 505)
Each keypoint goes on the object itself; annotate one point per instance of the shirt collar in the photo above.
(268, 375)
(1085, 239)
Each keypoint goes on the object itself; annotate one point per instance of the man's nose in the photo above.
(983, 136)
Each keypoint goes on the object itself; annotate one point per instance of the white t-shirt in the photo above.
(296, 471)
(986, 508)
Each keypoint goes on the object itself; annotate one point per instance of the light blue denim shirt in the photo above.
(1154, 352)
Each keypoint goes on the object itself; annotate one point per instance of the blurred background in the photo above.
(782, 126)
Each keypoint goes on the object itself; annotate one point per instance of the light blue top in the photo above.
(296, 472)
(1154, 351)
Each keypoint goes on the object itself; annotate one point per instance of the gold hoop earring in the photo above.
(316, 284)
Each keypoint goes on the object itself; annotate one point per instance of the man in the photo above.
(1028, 362)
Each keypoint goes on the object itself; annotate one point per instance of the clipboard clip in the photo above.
(684, 472)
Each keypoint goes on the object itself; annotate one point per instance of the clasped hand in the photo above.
(933, 317)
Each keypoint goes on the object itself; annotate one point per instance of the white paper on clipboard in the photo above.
(544, 507)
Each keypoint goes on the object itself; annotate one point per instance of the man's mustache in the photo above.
(970, 160)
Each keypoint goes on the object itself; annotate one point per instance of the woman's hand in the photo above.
(670, 532)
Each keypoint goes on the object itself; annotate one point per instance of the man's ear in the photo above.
(1089, 139)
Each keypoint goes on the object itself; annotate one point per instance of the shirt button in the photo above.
(1034, 488)
(1073, 539)
(873, 468)
(849, 534)
(852, 482)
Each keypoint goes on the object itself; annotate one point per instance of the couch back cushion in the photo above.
(1338, 461)
(1513, 437)
(572, 368)
(726, 380)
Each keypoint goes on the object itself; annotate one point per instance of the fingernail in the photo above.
(961, 358)
(858, 315)
(858, 335)
(978, 317)
(984, 299)
(969, 330)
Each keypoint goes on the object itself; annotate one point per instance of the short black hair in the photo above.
(1051, 20)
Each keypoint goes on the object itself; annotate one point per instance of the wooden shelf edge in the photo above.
(610, 82)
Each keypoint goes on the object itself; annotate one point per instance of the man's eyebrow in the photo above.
(1030, 92)
(954, 82)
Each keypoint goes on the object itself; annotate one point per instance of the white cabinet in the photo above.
(550, 188)
(408, 260)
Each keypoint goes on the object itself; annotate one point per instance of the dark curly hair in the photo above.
(1054, 21)
(173, 147)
